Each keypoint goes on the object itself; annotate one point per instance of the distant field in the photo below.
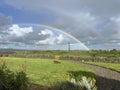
(44, 71)
(91, 53)
(112, 66)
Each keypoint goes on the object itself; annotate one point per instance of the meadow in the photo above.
(42, 70)
(45, 71)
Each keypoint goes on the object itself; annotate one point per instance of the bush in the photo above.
(10, 80)
(85, 83)
(79, 80)
(85, 80)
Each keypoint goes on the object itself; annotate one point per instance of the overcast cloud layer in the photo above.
(96, 23)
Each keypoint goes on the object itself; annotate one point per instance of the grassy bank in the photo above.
(113, 66)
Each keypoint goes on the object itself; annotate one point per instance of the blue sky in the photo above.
(25, 16)
(95, 23)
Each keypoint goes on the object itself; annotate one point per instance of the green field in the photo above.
(113, 66)
(44, 71)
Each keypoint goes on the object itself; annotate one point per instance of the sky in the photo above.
(95, 23)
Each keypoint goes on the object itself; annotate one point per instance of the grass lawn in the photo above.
(44, 71)
(113, 66)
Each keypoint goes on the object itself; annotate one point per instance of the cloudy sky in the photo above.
(95, 23)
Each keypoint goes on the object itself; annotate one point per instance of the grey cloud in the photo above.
(4, 21)
(81, 26)
(99, 7)
(28, 38)
(90, 35)
(82, 31)
(32, 38)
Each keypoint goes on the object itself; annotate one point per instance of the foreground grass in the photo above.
(44, 71)
(112, 66)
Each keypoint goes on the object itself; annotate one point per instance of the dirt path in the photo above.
(106, 79)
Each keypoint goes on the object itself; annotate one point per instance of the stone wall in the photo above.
(91, 59)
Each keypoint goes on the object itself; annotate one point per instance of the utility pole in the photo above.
(68, 46)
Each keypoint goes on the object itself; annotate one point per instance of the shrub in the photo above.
(10, 80)
(85, 83)
(79, 80)
(21, 81)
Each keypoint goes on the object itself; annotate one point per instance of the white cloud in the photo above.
(15, 37)
(48, 41)
(28, 35)
(60, 39)
(52, 39)
(18, 31)
(46, 32)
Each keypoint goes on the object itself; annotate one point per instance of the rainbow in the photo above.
(62, 31)
(71, 36)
